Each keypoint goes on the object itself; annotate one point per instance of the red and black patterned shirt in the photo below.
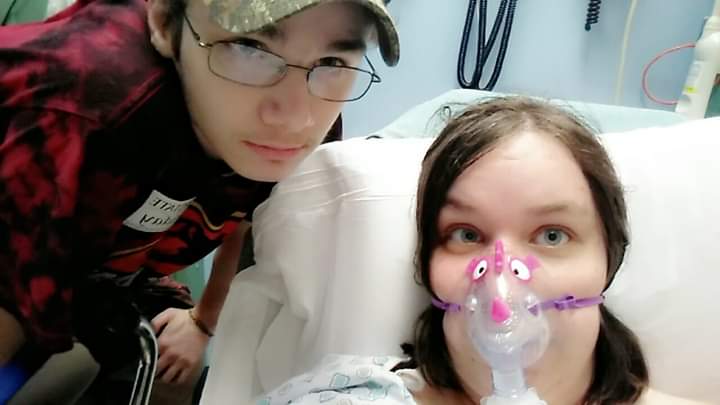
(99, 167)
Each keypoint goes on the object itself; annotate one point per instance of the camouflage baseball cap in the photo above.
(243, 16)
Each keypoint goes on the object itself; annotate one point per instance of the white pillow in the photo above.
(667, 291)
(334, 247)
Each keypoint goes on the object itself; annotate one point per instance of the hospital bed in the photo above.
(334, 246)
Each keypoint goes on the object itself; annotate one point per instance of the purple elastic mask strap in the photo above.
(568, 302)
(445, 306)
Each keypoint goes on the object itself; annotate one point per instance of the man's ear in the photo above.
(160, 35)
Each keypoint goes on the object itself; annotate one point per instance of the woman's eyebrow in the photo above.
(559, 207)
(457, 205)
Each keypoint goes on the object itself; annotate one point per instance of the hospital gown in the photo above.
(348, 380)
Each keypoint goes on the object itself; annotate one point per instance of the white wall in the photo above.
(550, 53)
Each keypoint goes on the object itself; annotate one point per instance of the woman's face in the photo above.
(529, 193)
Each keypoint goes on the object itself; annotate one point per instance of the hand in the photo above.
(181, 345)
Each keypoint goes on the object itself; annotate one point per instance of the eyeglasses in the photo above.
(251, 66)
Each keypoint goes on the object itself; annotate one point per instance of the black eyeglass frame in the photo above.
(374, 78)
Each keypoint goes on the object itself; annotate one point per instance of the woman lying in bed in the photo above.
(522, 225)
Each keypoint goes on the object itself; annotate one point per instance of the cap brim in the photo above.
(245, 16)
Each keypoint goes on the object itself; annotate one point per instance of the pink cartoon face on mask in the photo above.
(500, 267)
(504, 320)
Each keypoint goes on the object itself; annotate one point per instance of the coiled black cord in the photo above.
(506, 13)
(593, 14)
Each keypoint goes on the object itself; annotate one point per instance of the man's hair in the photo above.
(620, 373)
(174, 21)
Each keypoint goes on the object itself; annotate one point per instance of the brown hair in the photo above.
(174, 20)
(620, 373)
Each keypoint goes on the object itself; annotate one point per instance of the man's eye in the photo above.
(250, 43)
(464, 235)
(331, 61)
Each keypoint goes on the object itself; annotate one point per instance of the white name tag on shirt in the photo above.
(157, 214)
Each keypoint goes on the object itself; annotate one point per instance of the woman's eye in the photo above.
(464, 235)
(552, 237)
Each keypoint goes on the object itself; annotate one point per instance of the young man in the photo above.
(136, 137)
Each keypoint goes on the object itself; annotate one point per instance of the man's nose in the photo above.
(289, 104)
